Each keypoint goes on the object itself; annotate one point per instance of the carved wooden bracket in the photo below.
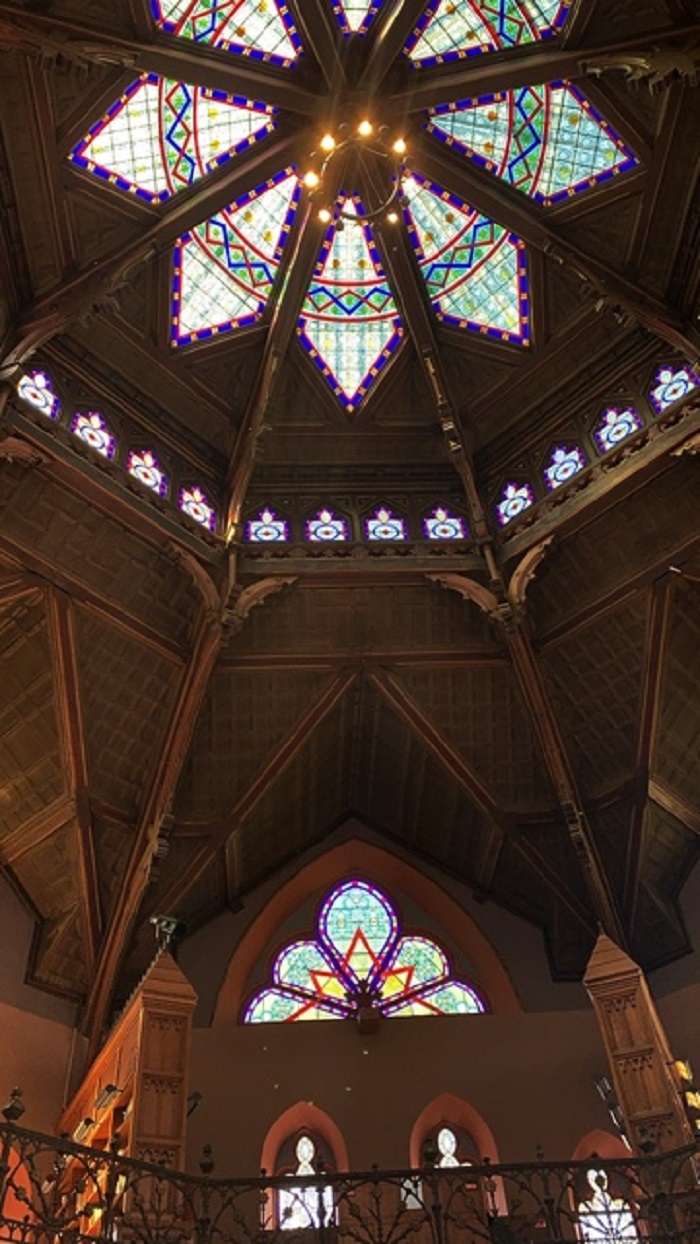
(255, 594)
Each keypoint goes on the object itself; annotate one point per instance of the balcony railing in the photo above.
(55, 1190)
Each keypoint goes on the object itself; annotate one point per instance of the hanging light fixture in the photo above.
(364, 136)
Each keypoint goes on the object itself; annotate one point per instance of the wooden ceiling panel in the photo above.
(242, 720)
(595, 680)
(677, 744)
(481, 712)
(49, 873)
(96, 231)
(58, 958)
(123, 732)
(604, 231)
(611, 826)
(31, 772)
(112, 841)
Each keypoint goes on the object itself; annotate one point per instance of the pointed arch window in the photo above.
(91, 428)
(144, 467)
(327, 527)
(303, 1206)
(267, 528)
(441, 524)
(37, 390)
(195, 504)
(384, 525)
(602, 1217)
(358, 961)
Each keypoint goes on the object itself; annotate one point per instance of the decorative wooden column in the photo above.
(638, 1051)
(137, 1085)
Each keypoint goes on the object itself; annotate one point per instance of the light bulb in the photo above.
(399, 147)
(365, 128)
(392, 217)
(311, 179)
(324, 215)
(327, 142)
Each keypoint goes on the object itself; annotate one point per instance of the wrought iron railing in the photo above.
(55, 1190)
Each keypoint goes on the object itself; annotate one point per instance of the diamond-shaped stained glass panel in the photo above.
(548, 141)
(474, 268)
(225, 268)
(454, 29)
(262, 29)
(162, 136)
(349, 321)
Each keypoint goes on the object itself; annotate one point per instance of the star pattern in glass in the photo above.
(360, 958)
(475, 270)
(563, 465)
(548, 141)
(162, 136)
(36, 389)
(455, 29)
(262, 29)
(225, 268)
(515, 500)
(349, 321)
(671, 383)
(91, 428)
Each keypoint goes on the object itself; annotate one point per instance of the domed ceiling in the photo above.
(351, 399)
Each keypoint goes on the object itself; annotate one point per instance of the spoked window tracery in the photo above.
(360, 959)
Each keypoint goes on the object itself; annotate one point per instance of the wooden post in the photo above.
(638, 1051)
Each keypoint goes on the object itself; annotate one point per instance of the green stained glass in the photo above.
(259, 28)
(548, 141)
(474, 269)
(454, 29)
(349, 321)
(359, 959)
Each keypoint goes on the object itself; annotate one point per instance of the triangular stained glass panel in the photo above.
(225, 268)
(161, 136)
(475, 270)
(349, 321)
(454, 29)
(355, 16)
(259, 28)
(548, 141)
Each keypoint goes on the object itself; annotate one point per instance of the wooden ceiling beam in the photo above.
(36, 830)
(43, 129)
(386, 38)
(670, 801)
(183, 60)
(193, 685)
(424, 658)
(657, 631)
(219, 833)
(532, 63)
(321, 35)
(72, 735)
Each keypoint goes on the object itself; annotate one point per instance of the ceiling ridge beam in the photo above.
(193, 684)
(386, 39)
(72, 734)
(655, 647)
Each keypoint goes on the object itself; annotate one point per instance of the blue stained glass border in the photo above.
(462, 53)
(366, 21)
(241, 49)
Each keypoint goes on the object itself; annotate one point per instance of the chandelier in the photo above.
(357, 142)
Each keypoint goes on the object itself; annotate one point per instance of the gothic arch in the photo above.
(387, 870)
(448, 1108)
(600, 1143)
(300, 1117)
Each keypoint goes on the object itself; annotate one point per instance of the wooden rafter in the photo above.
(37, 829)
(70, 718)
(193, 685)
(386, 38)
(220, 833)
(672, 802)
(424, 658)
(322, 37)
(657, 630)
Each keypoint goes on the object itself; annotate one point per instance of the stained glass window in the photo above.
(453, 29)
(475, 269)
(225, 268)
(515, 499)
(349, 321)
(383, 525)
(194, 502)
(327, 526)
(442, 525)
(360, 958)
(267, 528)
(355, 16)
(548, 141)
(563, 465)
(603, 1218)
(670, 385)
(262, 29)
(37, 389)
(143, 465)
(91, 428)
(616, 424)
(298, 1206)
(161, 136)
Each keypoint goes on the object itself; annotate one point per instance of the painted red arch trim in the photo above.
(387, 870)
(446, 1108)
(303, 1116)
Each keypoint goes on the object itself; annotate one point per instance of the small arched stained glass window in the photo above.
(327, 526)
(383, 525)
(267, 528)
(144, 467)
(359, 961)
(616, 425)
(515, 499)
(298, 1206)
(442, 525)
(563, 465)
(195, 504)
(670, 385)
(602, 1217)
(36, 389)
(90, 427)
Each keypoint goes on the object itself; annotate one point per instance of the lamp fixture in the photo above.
(363, 136)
